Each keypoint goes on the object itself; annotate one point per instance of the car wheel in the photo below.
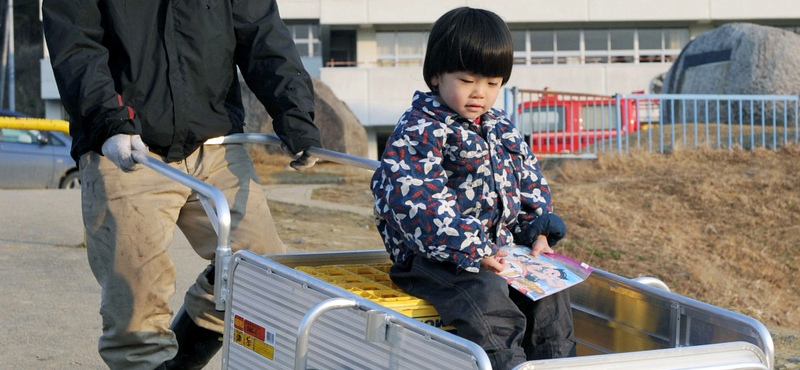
(71, 181)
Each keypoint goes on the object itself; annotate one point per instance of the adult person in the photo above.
(161, 77)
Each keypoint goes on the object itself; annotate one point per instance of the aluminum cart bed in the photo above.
(619, 323)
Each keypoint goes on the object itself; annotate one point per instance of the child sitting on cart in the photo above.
(456, 183)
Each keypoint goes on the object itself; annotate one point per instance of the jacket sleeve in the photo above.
(74, 34)
(536, 215)
(271, 66)
(414, 199)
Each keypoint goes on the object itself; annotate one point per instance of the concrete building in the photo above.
(370, 52)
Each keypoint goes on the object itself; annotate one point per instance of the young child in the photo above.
(457, 182)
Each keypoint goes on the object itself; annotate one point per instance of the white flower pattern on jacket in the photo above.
(450, 190)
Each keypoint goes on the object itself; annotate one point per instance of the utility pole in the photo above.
(8, 58)
(11, 82)
(4, 59)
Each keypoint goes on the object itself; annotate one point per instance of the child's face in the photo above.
(468, 94)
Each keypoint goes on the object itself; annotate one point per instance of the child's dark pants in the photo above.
(510, 327)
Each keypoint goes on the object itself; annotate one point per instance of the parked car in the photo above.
(34, 154)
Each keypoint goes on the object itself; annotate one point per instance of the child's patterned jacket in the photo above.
(451, 190)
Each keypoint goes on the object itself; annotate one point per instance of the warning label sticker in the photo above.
(254, 337)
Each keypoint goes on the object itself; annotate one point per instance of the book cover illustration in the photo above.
(540, 276)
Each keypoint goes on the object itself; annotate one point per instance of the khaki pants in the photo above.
(130, 221)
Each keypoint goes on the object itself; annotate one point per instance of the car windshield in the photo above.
(11, 135)
(538, 119)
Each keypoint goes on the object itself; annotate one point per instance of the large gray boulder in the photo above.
(738, 58)
(339, 128)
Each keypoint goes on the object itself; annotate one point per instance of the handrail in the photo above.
(29, 123)
(304, 329)
(653, 282)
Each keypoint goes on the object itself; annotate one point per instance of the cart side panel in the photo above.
(615, 315)
(269, 300)
(722, 356)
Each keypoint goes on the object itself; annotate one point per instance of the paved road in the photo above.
(49, 299)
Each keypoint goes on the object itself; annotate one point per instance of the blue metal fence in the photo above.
(583, 125)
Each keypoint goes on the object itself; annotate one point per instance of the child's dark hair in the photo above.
(469, 40)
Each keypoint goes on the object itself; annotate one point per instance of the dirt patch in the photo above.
(719, 226)
(308, 229)
(304, 229)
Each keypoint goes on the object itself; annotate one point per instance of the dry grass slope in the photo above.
(716, 225)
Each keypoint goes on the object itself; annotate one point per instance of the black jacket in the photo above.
(166, 69)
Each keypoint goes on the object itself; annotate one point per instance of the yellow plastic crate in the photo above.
(372, 282)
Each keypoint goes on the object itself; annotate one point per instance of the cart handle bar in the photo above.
(321, 153)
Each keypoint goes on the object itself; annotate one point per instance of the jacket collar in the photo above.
(429, 103)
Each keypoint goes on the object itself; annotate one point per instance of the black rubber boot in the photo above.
(196, 345)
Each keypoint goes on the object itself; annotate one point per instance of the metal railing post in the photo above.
(513, 108)
(619, 122)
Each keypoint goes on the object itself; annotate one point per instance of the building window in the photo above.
(306, 38)
(401, 49)
(568, 47)
(595, 46)
(521, 50)
(651, 45)
(587, 46)
(621, 45)
(542, 47)
(342, 49)
(675, 40)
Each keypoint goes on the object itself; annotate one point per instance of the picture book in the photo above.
(540, 276)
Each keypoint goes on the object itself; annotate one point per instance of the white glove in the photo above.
(118, 149)
(302, 161)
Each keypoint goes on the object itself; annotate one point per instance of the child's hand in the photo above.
(496, 262)
(540, 245)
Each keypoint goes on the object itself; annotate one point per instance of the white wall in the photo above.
(588, 78)
(371, 12)
(366, 46)
(299, 9)
(378, 96)
(753, 9)
(49, 90)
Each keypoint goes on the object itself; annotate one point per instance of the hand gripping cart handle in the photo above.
(221, 218)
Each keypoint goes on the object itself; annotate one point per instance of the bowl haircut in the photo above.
(469, 40)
